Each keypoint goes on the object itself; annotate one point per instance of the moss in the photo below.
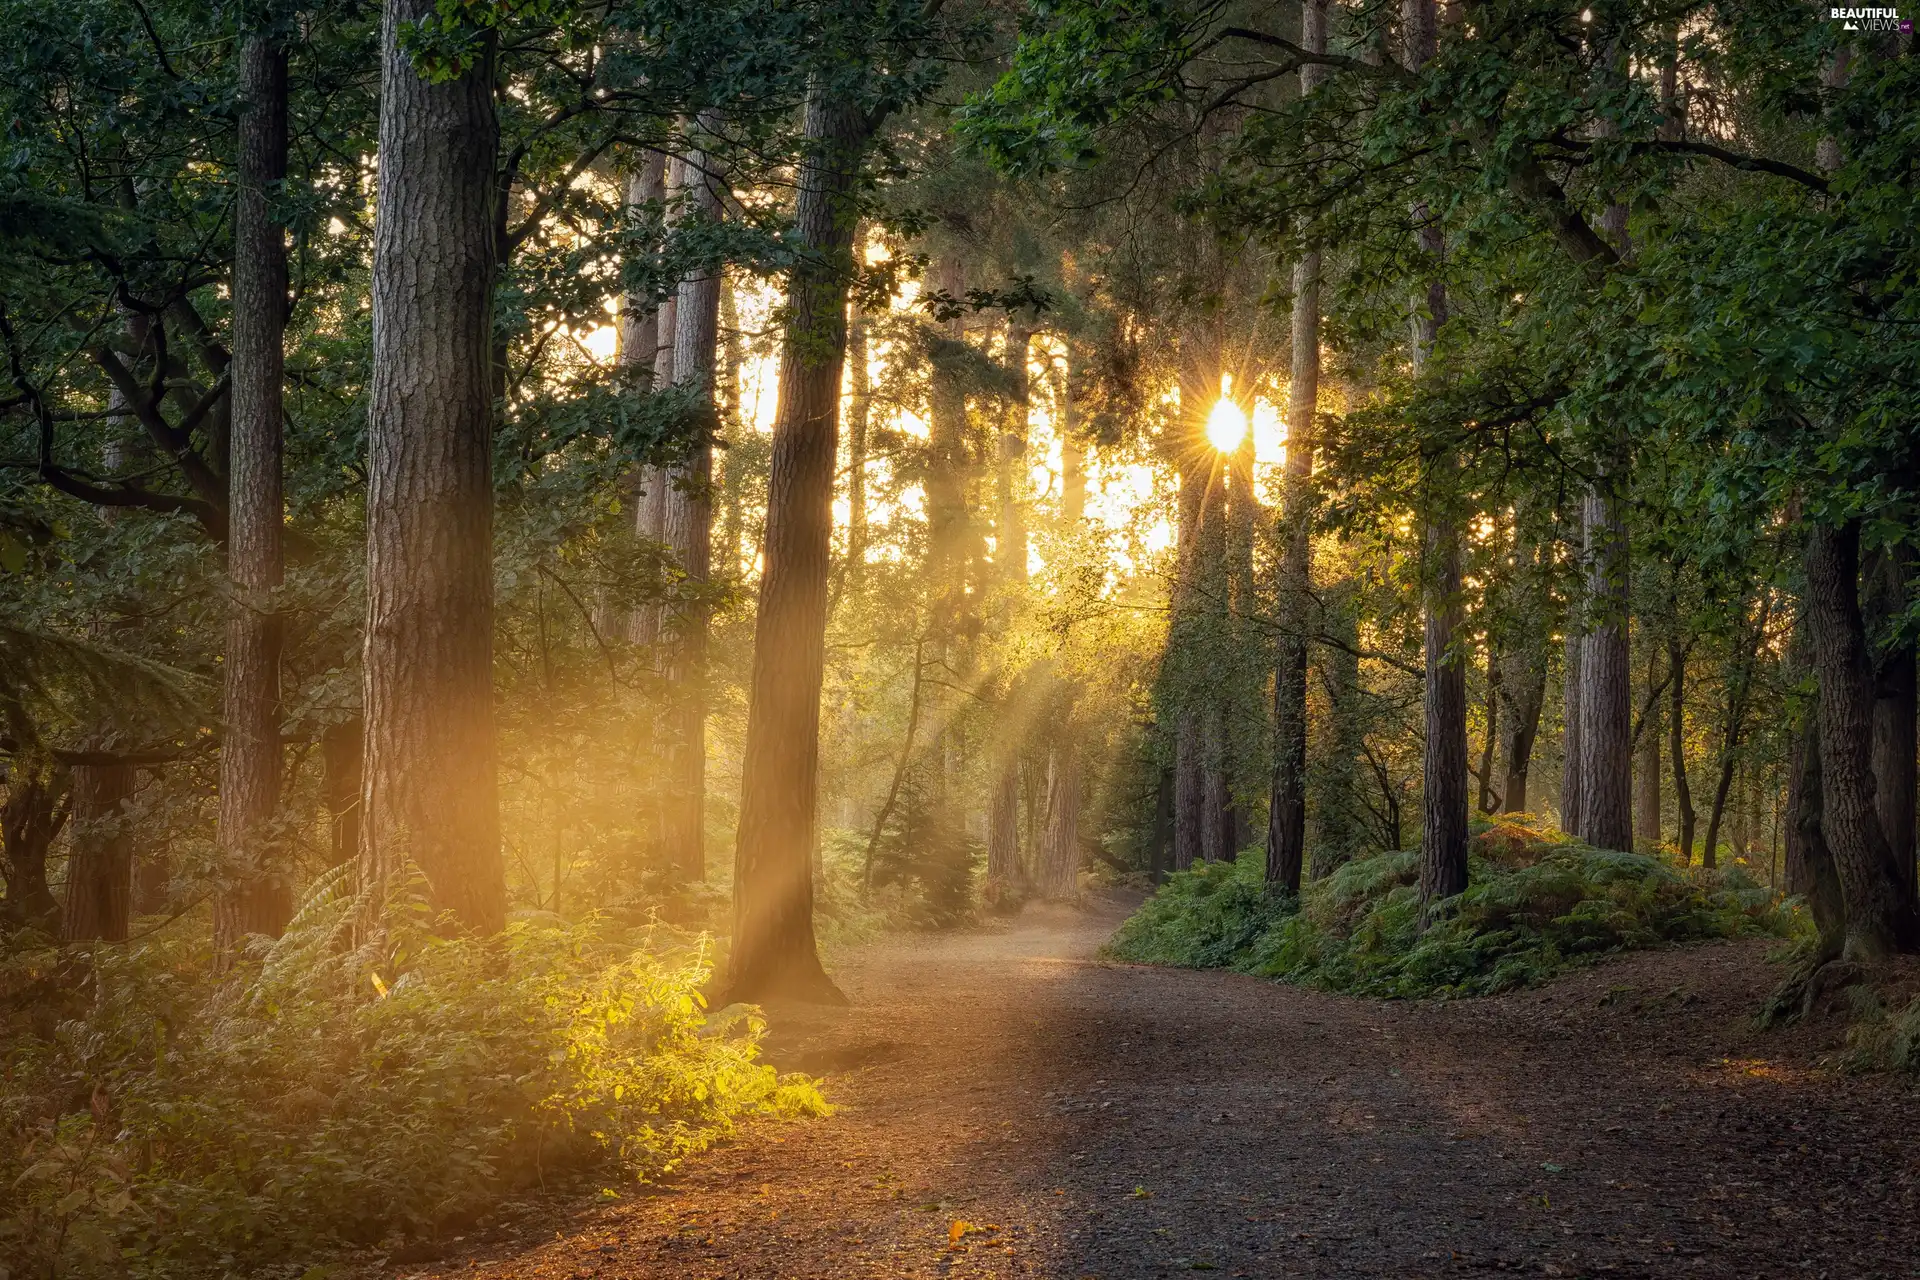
(1536, 903)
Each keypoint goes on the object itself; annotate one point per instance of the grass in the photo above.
(1537, 903)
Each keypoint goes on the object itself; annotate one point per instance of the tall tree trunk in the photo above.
(1894, 703)
(1572, 758)
(1010, 560)
(1606, 731)
(733, 481)
(1443, 841)
(687, 530)
(1810, 870)
(1189, 791)
(1878, 913)
(1059, 877)
(430, 795)
(773, 943)
(1187, 633)
(1646, 786)
(859, 412)
(257, 896)
(1287, 797)
(39, 799)
(100, 870)
(1677, 746)
(654, 332)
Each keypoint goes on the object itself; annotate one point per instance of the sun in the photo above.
(1226, 426)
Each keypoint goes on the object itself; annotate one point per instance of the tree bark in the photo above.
(100, 869)
(1523, 687)
(430, 796)
(1646, 787)
(39, 800)
(859, 412)
(257, 896)
(1059, 878)
(1677, 747)
(773, 944)
(1606, 731)
(1878, 913)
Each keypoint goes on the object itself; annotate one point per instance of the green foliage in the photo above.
(1357, 931)
(329, 1097)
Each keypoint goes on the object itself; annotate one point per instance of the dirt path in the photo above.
(1071, 1119)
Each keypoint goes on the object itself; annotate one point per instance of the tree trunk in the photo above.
(39, 799)
(687, 530)
(1003, 831)
(1573, 763)
(1677, 747)
(1878, 913)
(1287, 798)
(773, 945)
(1523, 687)
(1010, 460)
(1443, 841)
(1160, 855)
(859, 412)
(1810, 870)
(652, 357)
(100, 869)
(430, 797)
(1646, 787)
(257, 896)
(1189, 792)
(1606, 731)
(1188, 632)
(1059, 878)
(1894, 702)
(1489, 801)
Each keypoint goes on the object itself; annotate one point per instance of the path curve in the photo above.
(1080, 1119)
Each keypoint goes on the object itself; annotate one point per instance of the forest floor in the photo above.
(1010, 1106)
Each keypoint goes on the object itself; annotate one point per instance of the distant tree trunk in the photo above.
(1573, 764)
(1878, 912)
(647, 353)
(1646, 787)
(1188, 630)
(341, 748)
(1523, 687)
(733, 482)
(686, 529)
(947, 533)
(1894, 703)
(1606, 738)
(100, 870)
(1677, 746)
(1489, 800)
(39, 799)
(1010, 560)
(430, 796)
(773, 944)
(1189, 791)
(1738, 690)
(1334, 787)
(257, 896)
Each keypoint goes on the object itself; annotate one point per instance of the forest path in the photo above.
(1081, 1119)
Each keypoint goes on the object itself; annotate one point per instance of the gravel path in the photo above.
(1012, 1107)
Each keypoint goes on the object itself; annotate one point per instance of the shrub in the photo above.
(175, 1126)
(1544, 905)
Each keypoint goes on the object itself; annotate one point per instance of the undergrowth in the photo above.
(164, 1123)
(1536, 903)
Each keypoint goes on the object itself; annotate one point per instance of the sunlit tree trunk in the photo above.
(1059, 877)
(686, 528)
(100, 869)
(258, 897)
(1677, 745)
(651, 357)
(1010, 556)
(1878, 912)
(429, 794)
(1186, 633)
(773, 949)
(1489, 799)
(859, 412)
